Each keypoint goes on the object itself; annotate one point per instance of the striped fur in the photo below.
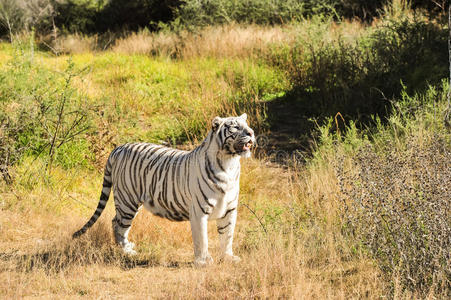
(199, 185)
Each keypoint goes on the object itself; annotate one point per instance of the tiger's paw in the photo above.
(230, 258)
(203, 262)
(128, 249)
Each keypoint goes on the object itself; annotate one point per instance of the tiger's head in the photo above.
(234, 136)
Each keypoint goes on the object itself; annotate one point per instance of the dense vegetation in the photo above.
(349, 196)
(94, 16)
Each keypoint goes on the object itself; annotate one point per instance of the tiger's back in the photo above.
(152, 175)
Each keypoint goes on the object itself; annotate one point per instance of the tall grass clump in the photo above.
(396, 195)
(227, 41)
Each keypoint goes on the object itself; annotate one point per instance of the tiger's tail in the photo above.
(106, 190)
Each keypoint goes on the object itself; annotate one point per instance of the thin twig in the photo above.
(59, 122)
(81, 202)
(259, 220)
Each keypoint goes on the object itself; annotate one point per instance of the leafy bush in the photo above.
(89, 16)
(362, 75)
(396, 196)
(399, 206)
(37, 118)
(76, 15)
(133, 15)
(195, 14)
(19, 15)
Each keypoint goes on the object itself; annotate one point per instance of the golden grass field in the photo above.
(39, 258)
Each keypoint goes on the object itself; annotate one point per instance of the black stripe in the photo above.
(156, 160)
(219, 163)
(133, 174)
(221, 137)
(179, 182)
(149, 149)
(174, 214)
(222, 228)
(206, 182)
(123, 214)
(107, 183)
(126, 201)
(129, 171)
(103, 196)
(174, 185)
(212, 176)
(202, 192)
(201, 208)
(164, 163)
(227, 212)
(162, 197)
(101, 205)
(129, 199)
(149, 155)
(186, 177)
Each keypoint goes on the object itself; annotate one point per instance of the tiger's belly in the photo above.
(172, 213)
(222, 204)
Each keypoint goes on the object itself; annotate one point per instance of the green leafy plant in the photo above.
(38, 119)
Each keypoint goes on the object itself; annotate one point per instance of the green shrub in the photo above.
(77, 15)
(24, 15)
(195, 14)
(398, 205)
(38, 118)
(396, 195)
(359, 76)
(118, 15)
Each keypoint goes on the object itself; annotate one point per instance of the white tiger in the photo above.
(199, 185)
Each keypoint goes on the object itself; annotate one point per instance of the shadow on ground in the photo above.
(57, 261)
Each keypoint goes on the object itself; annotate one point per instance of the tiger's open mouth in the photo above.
(247, 146)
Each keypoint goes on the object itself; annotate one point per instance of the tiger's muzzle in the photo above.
(244, 143)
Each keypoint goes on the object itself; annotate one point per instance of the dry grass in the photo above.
(224, 41)
(301, 256)
(231, 41)
(70, 43)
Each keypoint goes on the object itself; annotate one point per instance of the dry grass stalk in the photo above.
(225, 41)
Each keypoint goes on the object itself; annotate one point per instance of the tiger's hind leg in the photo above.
(121, 231)
(125, 213)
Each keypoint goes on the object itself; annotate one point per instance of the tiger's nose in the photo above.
(250, 132)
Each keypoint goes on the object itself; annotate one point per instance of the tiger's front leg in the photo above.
(226, 227)
(200, 239)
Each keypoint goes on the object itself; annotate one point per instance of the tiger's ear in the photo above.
(243, 116)
(215, 123)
